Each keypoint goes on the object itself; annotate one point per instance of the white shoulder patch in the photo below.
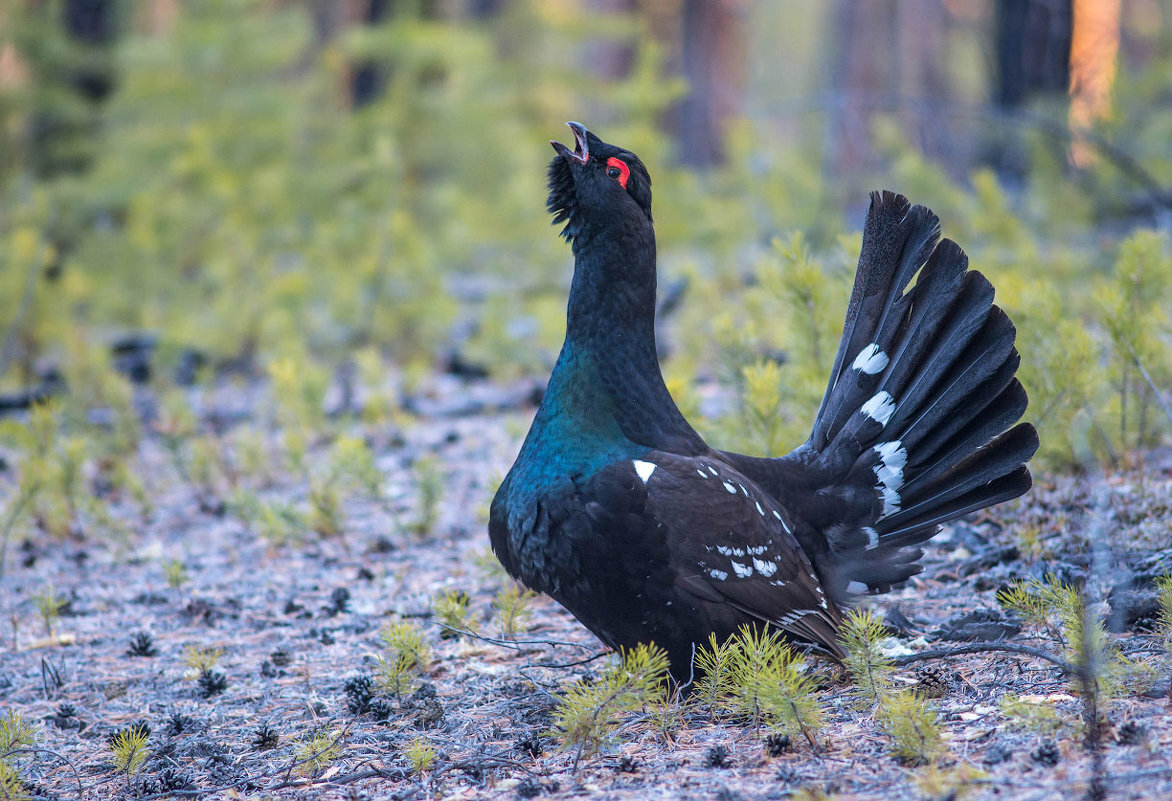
(644, 469)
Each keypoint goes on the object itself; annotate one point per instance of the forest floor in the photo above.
(295, 622)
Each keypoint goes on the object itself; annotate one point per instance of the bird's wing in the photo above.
(731, 542)
(694, 532)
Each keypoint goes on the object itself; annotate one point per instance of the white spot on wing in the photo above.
(870, 360)
(742, 571)
(760, 511)
(724, 550)
(711, 469)
(765, 568)
(732, 490)
(702, 473)
(719, 575)
(880, 407)
(856, 587)
(644, 469)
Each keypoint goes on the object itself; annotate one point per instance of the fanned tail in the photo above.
(917, 424)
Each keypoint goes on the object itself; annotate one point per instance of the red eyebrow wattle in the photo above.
(624, 170)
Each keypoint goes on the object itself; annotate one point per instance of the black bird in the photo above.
(621, 512)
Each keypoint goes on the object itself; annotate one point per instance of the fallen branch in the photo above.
(985, 647)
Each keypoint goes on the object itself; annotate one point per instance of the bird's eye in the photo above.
(617, 169)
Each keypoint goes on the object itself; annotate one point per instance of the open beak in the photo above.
(581, 152)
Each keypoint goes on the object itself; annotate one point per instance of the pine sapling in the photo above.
(513, 608)
(318, 751)
(871, 671)
(591, 713)
(421, 755)
(914, 728)
(15, 735)
(128, 750)
(405, 655)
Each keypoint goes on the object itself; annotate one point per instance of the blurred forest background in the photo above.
(316, 188)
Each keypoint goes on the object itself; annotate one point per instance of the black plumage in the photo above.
(619, 510)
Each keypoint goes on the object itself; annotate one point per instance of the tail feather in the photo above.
(980, 360)
(897, 240)
(916, 427)
(999, 458)
(962, 434)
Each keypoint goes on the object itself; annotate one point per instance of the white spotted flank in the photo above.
(870, 360)
(644, 469)
(731, 489)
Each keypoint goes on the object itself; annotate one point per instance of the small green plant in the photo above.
(429, 484)
(715, 663)
(870, 670)
(421, 755)
(1060, 611)
(512, 606)
(1164, 625)
(15, 734)
(954, 783)
(590, 713)
(318, 751)
(405, 655)
(49, 605)
(176, 573)
(352, 462)
(128, 750)
(454, 609)
(914, 728)
(756, 676)
(325, 508)
(1035, 715)
(25, 494)
(200, 660)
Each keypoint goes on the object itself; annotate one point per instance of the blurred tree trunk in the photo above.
(864, 70)
(368, 79)
(1033, 49)
(608, 58)
(67, 46)
(712, 58)
(1094, 51)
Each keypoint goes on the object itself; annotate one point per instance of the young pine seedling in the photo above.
(176, 573)
(200, 660)
(871, 671)
(128, 750)
(15, 735)
(49, 606)
(757, 677)
(429, 484)
(454, 610)
(591, 713)
(318, 751)
(512, 607)
(404, 657)
(914, 728)
(421, 755)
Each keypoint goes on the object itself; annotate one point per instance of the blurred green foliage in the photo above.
(234, 203)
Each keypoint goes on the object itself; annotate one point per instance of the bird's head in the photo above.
(597, 186)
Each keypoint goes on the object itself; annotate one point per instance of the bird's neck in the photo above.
(607, 380)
